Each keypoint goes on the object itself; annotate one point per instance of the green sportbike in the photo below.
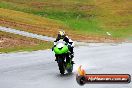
(63, 57)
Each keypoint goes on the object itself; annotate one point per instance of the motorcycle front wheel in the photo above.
(61, 65)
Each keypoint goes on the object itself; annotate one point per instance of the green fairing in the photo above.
(61, 51)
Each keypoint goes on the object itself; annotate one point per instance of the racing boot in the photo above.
(72, 55)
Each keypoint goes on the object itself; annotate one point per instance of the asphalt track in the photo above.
(38, 69)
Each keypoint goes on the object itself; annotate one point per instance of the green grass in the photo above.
(85, 26)
(85, 16)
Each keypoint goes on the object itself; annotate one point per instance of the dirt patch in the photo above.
(12, 42)
(8, 40)
(62, 5)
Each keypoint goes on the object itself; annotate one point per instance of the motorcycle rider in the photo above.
(62, 35)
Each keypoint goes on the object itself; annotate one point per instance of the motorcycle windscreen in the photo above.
(61, 51)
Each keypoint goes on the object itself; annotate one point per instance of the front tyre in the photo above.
(61, 66)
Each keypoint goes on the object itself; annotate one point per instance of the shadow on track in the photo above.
(67, 75)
